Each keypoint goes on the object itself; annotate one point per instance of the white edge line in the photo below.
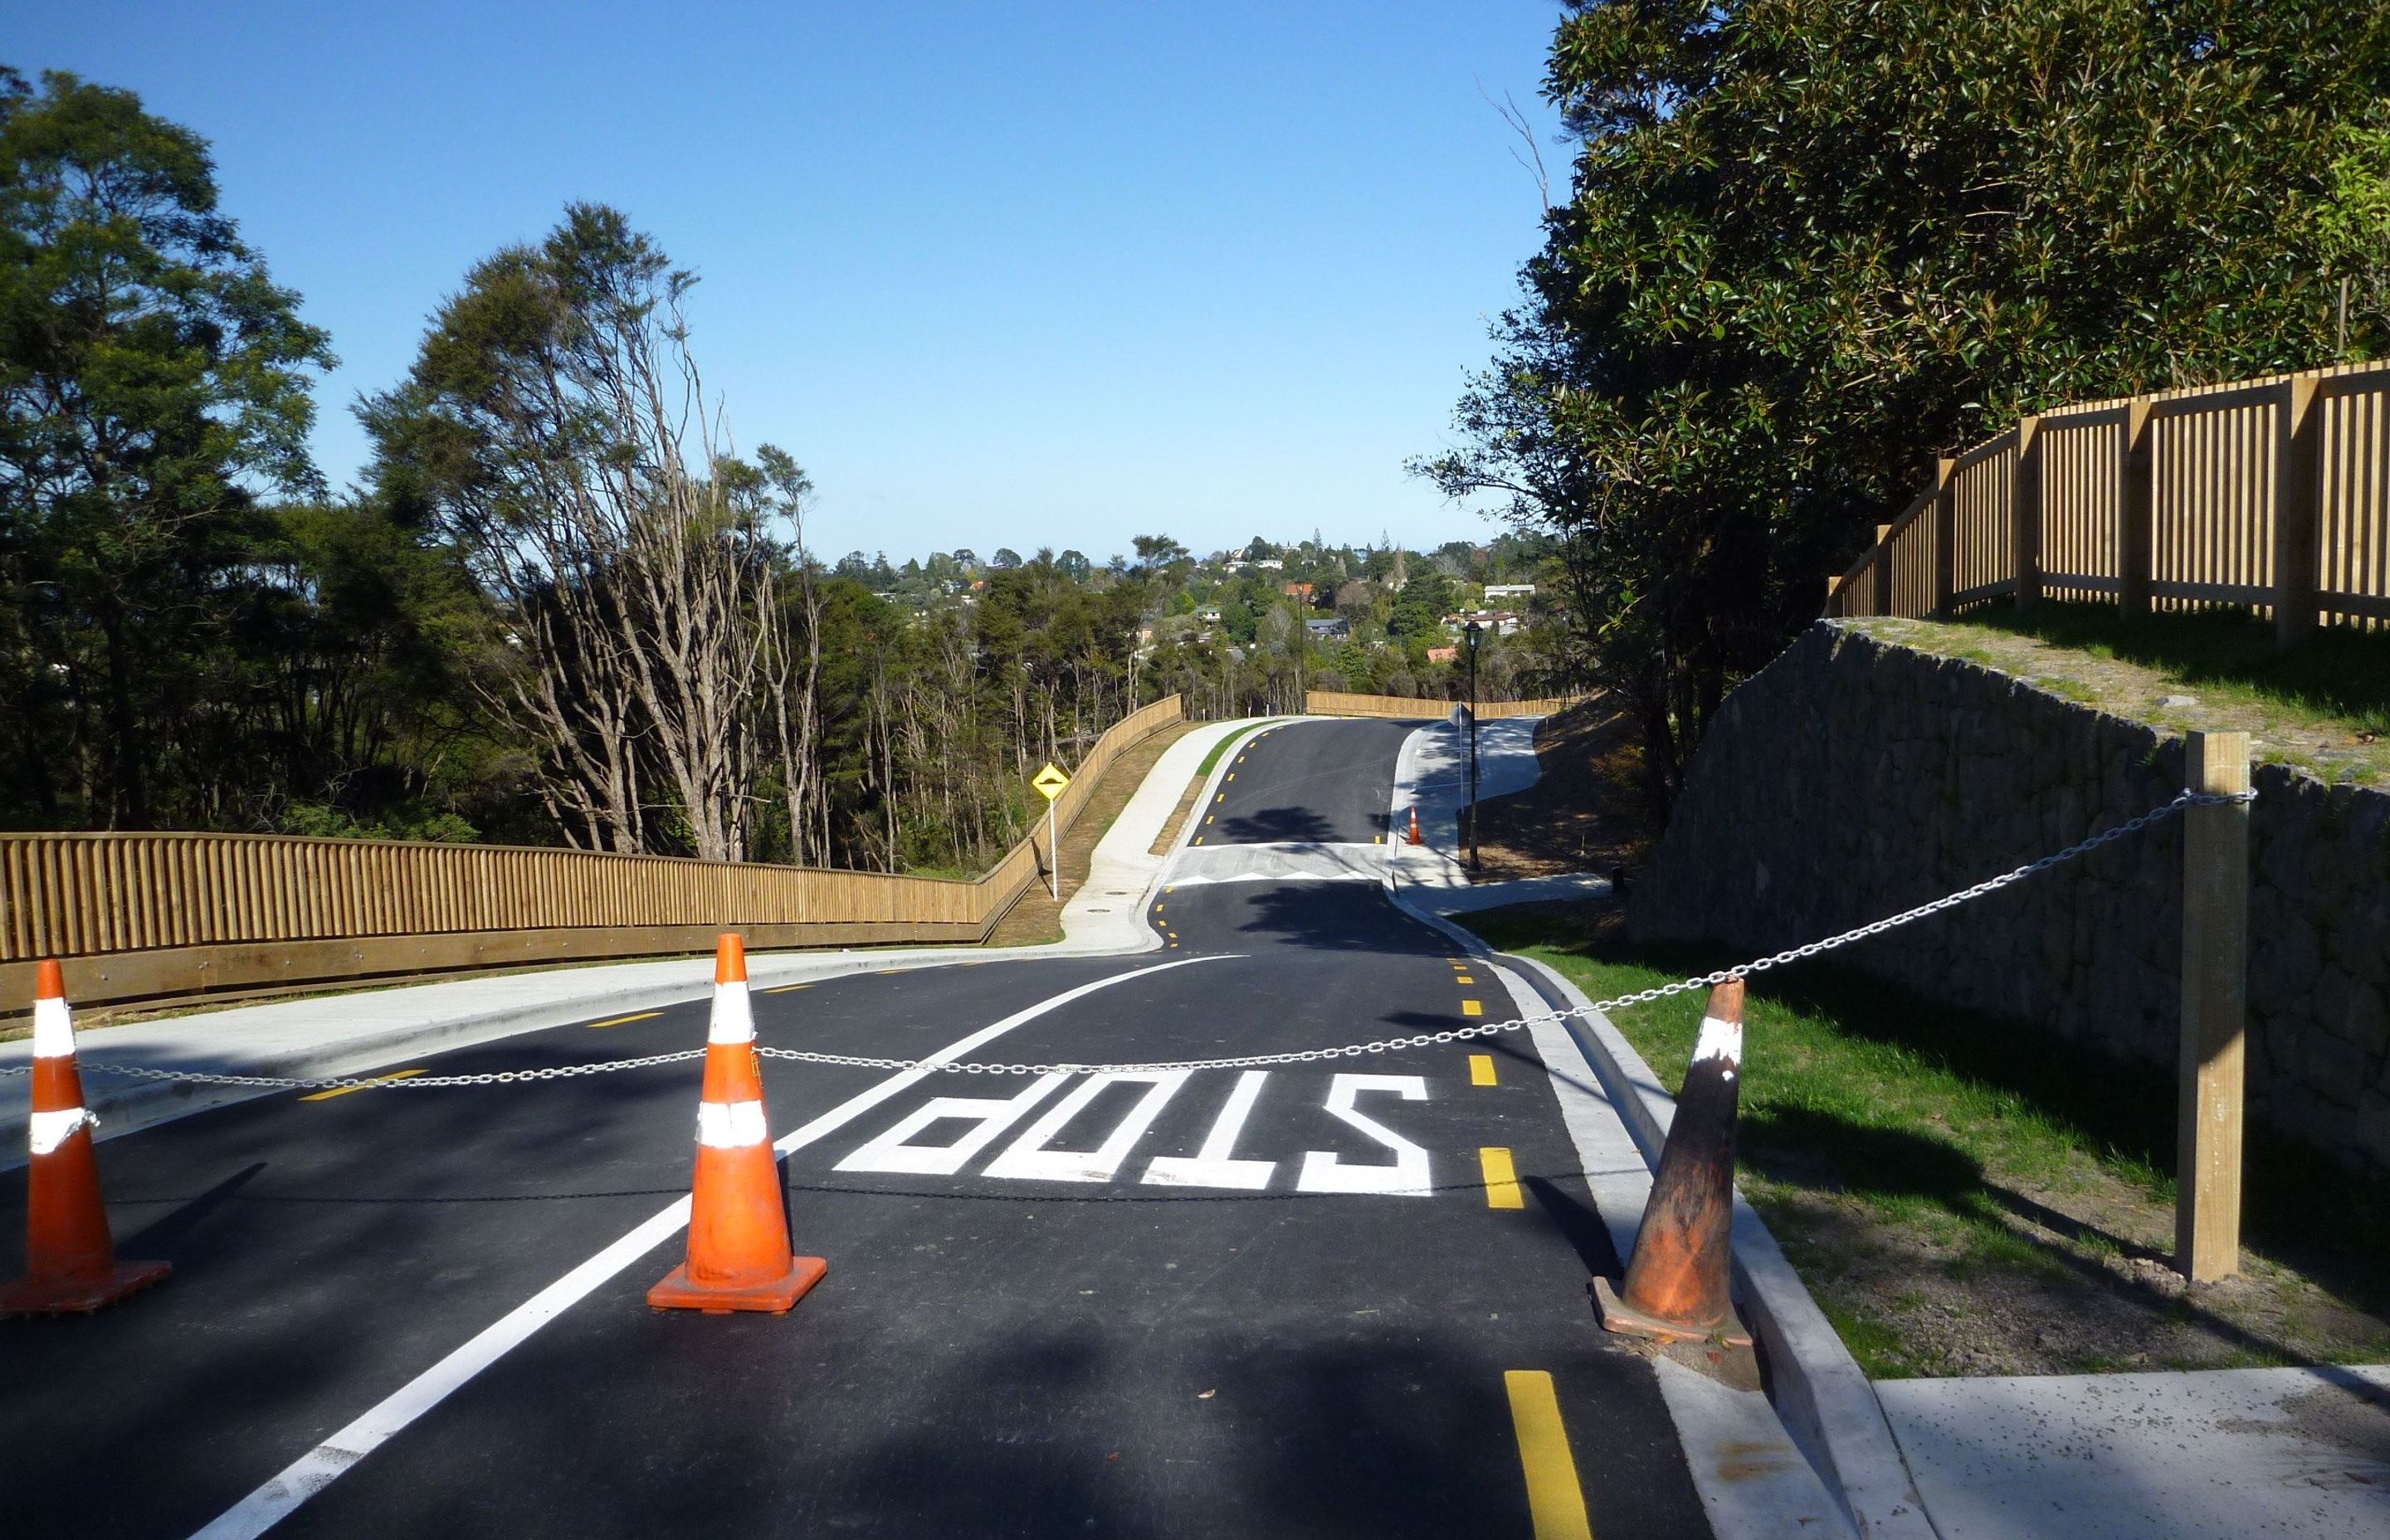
(309, 1474)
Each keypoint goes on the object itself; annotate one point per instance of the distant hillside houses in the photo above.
(1495, 593)
(1502, 623)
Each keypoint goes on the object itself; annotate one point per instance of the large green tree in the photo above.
(153, 381)
(1810, 243)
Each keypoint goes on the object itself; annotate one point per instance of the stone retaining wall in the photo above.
(1852, 778)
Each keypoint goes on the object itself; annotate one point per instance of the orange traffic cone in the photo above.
(70, 1262)
(739, 1254)
(1676, 1287)
(1415, 829)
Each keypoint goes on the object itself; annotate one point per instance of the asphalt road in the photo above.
(1228, 1302)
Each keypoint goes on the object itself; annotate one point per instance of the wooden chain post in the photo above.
(2215, 1011)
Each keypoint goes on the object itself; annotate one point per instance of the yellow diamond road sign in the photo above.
(1050, 781)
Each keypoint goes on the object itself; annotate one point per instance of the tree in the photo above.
(153, 381)
(1809, 244)
(554, 428)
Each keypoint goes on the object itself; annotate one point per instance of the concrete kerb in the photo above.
(1821, 1395)
(1818, 1388)
(379, 1029)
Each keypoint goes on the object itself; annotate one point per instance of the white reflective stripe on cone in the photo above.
(734, 1014)
(53, 1030)
(49, 1130)
(732, 1125)
(1719, 1040)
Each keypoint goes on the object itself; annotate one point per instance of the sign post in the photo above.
(1050, 782)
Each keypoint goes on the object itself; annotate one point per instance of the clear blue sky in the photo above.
(997, 275)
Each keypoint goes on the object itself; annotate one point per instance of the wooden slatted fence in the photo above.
(1345, 703)
(2270, 493)
(150, 916)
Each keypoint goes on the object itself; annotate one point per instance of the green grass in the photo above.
(2337, 676)
(1224, 745)
(1862, 1101)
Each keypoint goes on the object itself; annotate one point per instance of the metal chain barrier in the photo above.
(386, 1082)
(1244, 1061)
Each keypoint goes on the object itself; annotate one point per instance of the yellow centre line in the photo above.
(1463, 978)
(1481, 1069)
(344, 1090)
(621, 1020)
(1555, 1501)
(783, 989)
(1501, 1179)
(1473, 1007)
(1232, 775)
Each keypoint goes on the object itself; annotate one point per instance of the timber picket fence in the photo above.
(1344, 703)
(149, 917)
(2271, 494)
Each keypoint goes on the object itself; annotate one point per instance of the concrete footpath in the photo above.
(357, 1033)
(2215, 1455)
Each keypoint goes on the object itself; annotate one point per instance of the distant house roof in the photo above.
(1338, 626)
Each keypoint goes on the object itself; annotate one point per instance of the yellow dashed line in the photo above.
(1501, 1179)
(1218, 799)
(783, 989)
(344, 1090)
(1463, 978)
(1481, 1069)
(1207, 819)
(1555, 1501)
(1472, 1008)
(626, 1020)
(1199, 838)
(1232, 775)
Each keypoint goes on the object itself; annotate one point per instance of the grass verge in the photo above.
(2322, 705)
(1965, 1197)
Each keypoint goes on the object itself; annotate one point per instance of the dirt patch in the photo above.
(1588, 813)
(1914, 1299)
(1036, 920)
(1178, 817)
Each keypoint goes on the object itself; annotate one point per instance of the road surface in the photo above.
(1231, 1303)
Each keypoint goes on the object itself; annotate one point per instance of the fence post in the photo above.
(1880, 570)
(1833, 594)
(2137, 534)
(2025, 511)
(1946, 536)
(2298, 492)
(2215, 1010)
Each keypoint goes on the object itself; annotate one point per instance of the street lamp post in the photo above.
(1473, 631)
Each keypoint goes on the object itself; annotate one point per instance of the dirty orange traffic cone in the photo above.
(70, 1262)
(1415, 829)
(739, 1254)
(1676, 1287)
